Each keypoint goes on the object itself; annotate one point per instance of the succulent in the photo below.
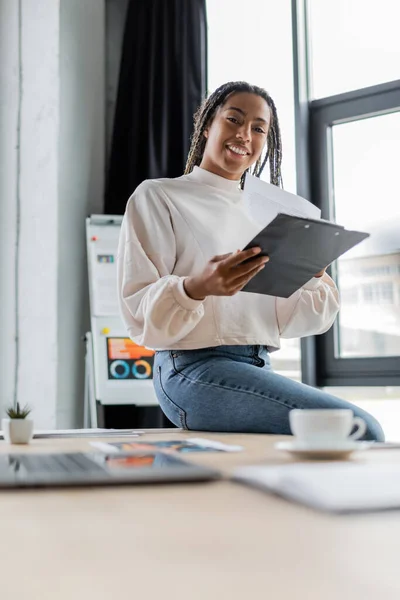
(18, 413)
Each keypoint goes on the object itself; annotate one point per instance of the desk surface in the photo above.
(194, 541)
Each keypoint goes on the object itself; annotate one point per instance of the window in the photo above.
(354, 44)
(379, 293)
(348, 129)
(364, 179)
(355, 144)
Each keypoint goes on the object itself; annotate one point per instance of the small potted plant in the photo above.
(17, 429)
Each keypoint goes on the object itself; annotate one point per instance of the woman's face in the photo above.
(237, 135)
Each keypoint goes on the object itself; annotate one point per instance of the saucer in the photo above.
(323, 451)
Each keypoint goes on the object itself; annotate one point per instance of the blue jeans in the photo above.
(233, 388)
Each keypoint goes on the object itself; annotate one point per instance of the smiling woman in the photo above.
(236, 136)
(180, 275)
(232, 128)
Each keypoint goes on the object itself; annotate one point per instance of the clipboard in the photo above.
(298, 248)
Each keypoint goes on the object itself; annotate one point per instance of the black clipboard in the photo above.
(298, 248)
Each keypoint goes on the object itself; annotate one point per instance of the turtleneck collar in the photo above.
(203, 176)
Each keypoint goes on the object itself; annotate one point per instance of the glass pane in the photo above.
(354, 44)
(235, 61)
(367, 197)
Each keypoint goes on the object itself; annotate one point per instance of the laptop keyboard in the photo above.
(56, 463)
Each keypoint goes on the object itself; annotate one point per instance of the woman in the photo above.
(180, 275)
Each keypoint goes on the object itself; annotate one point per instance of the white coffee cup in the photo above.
(325, 426)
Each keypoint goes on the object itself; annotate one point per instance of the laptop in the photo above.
(93, 468)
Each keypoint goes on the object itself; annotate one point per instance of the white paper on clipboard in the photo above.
(264, 201)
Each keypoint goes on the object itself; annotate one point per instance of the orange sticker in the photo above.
(124, 348)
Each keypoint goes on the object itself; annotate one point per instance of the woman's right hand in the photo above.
(225, 275)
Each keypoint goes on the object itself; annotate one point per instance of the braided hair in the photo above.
(205, 114)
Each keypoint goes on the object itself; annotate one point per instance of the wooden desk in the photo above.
(207, 541)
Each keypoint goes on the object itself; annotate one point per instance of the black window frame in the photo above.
(314, 120)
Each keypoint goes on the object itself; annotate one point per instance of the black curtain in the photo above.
(162, 81)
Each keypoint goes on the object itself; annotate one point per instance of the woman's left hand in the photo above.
(320, 273)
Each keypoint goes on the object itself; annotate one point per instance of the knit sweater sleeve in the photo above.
(309, 311)
(153, 303)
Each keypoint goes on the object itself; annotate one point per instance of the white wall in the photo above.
(8, 189)
(81, 185)
(29, 165)
(39, 208)
(60, 182)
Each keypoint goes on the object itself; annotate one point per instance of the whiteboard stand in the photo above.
(117, 371)
(90, 403)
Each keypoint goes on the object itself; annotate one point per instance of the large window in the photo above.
(365, 161)
(348, 54)
(355, 145)
(354, 44)
(252, 41)
(347, 144)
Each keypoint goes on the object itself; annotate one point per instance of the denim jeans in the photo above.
(233, 388)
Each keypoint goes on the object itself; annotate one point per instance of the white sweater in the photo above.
(170, 229)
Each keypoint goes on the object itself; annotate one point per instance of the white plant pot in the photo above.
(17, 431)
